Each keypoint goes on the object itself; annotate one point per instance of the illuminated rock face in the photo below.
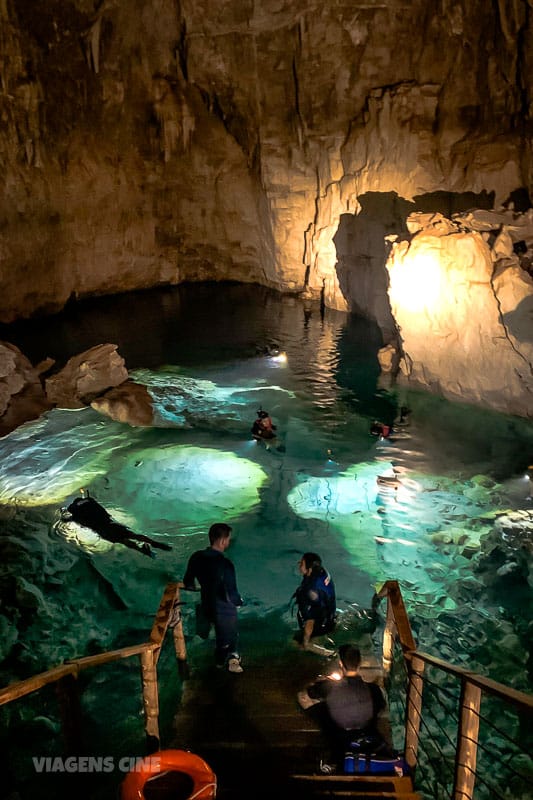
(159, 142)
(464, 311)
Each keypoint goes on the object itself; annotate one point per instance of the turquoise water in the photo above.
(463, 564)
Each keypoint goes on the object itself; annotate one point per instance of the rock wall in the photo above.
(463, 306)
(271, 141)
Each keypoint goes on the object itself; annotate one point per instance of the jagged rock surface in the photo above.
(22, 397)
(275, 142)
(86, 376)
(130, 402)
(463, 306)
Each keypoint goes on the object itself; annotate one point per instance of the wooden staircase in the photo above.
(259, 742)
(250, 729)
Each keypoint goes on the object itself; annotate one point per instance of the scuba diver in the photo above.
(380, 429)
(87, 511)
(263, 428)
(269, 349)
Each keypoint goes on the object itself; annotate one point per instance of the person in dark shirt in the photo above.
(220, 597)
(350, 706)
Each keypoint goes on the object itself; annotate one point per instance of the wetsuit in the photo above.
(219, 597)
(316, 600)
(88, 512)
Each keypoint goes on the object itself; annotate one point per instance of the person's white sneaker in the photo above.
(234, 665)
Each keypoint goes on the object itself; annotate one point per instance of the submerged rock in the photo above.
(130, 402)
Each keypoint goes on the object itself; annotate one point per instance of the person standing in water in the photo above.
(316, 601)
(220, 597)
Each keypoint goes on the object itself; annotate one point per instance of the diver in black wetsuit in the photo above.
(88, 512)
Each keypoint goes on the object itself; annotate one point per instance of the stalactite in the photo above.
(92, 45)
(174, 116)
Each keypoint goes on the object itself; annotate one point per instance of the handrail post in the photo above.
(180, 647)
(466, 751)
(70, 711)
(150, 697)
(389, 635)
(414, 709)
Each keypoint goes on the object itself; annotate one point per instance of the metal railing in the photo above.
(466, 752)
(65, 676)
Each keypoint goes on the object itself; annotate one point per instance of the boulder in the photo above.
(130, 402)
(463, 308)
(22, 397)
(86, 376)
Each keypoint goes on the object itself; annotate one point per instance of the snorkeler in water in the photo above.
(87, 511)
(263, 428)
(380, 430)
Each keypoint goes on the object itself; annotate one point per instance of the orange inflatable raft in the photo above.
(170, 773)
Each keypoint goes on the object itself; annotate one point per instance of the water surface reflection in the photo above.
(435, 525)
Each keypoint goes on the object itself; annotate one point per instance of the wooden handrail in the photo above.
(29, 685)
(473, 686)
(147, 651)
(71, 667)
(391, 590)
(517, 698)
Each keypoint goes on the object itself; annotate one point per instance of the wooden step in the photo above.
(357, 786)
(251, 730)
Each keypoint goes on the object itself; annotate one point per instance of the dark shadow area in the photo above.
(362, 250)
(362, 253)
(450, 203)
(181, 324)
(358, 369)
(519, 200)
(519, 322)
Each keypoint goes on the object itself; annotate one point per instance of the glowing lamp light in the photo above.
(417, 283)
(281, 358)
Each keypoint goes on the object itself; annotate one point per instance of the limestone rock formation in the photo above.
(463, 307)
(130, 402)
(274, 142)
(22, 397)
(86, 376)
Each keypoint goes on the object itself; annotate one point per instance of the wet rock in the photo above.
(28, 596)
(483, 480)
(86, 376)
(130, 402)
(8, 636)
(475, 341)
(389, 358)
(22, 397)
(442, 537)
